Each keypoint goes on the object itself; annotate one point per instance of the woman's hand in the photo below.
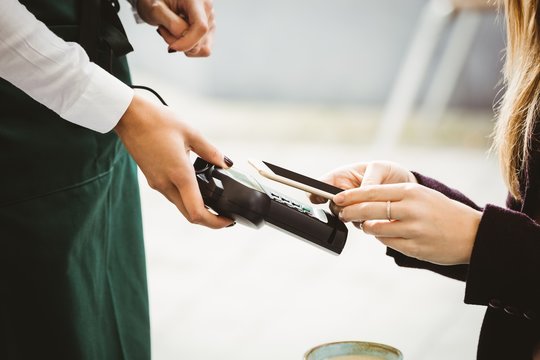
(160, 144)
(354, 175)
(414, 220)
(185, 25)
(385, 200)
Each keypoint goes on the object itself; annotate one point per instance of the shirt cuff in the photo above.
(102, 103)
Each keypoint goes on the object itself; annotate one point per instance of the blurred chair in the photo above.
(463, 17)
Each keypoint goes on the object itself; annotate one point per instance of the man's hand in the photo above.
(185, 25)
(160, 143)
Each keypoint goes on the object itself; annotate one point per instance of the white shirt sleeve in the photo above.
(56, 73)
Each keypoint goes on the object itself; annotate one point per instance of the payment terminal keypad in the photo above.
(292, 204)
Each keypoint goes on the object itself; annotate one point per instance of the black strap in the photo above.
(100, 23)
(90, 24)
(113, 32)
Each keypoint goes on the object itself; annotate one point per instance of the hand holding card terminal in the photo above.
(237, 195)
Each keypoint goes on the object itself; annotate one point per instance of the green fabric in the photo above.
(72, 265)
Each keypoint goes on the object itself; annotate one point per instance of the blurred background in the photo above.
(312, 87)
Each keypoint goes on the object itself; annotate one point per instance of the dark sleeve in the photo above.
(505, 263)
(458, 272)
(504, 271)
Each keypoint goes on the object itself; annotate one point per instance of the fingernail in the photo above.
(171, 51)
(232, 224)
(228, 161)
(340, 215)
(339, 198)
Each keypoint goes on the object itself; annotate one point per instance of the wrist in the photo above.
(472, 231)
(134, 116)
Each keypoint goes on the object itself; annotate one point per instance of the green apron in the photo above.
(72, 276)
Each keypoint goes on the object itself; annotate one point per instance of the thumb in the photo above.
(374, 175)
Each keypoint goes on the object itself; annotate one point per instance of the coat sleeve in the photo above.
(504, 271)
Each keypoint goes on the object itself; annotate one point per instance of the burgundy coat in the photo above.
(504, 271)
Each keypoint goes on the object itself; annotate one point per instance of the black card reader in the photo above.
(238, 196)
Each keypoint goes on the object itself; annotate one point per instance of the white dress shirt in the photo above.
(56, 73)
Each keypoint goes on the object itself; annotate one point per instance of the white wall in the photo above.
(319, 51)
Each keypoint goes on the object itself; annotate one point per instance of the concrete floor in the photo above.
(250, 294)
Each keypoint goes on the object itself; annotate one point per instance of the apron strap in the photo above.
(100, 22)
(90, 24)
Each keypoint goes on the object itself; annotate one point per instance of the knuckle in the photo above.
(361, 210)
(156, 8)
(205, 51)
(201, 29)
(411, 189)
(369, 227)
(214, 154)
(195, 217)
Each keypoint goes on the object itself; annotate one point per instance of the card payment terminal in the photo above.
(239, 196)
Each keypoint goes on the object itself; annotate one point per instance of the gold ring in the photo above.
(388, 210)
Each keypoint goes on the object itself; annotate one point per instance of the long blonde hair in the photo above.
(518, 110)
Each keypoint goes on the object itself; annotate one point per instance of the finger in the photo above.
(203, 49)
(166, 35)
(207, 151)
(336, 210)
(189, 198)
(316, 199)
(373, 193)
(198, 28)
(194, 52)
(386, 229)
(173, 195)
(345, 178)
(373, 211)
(167, 18)
(374, 175)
